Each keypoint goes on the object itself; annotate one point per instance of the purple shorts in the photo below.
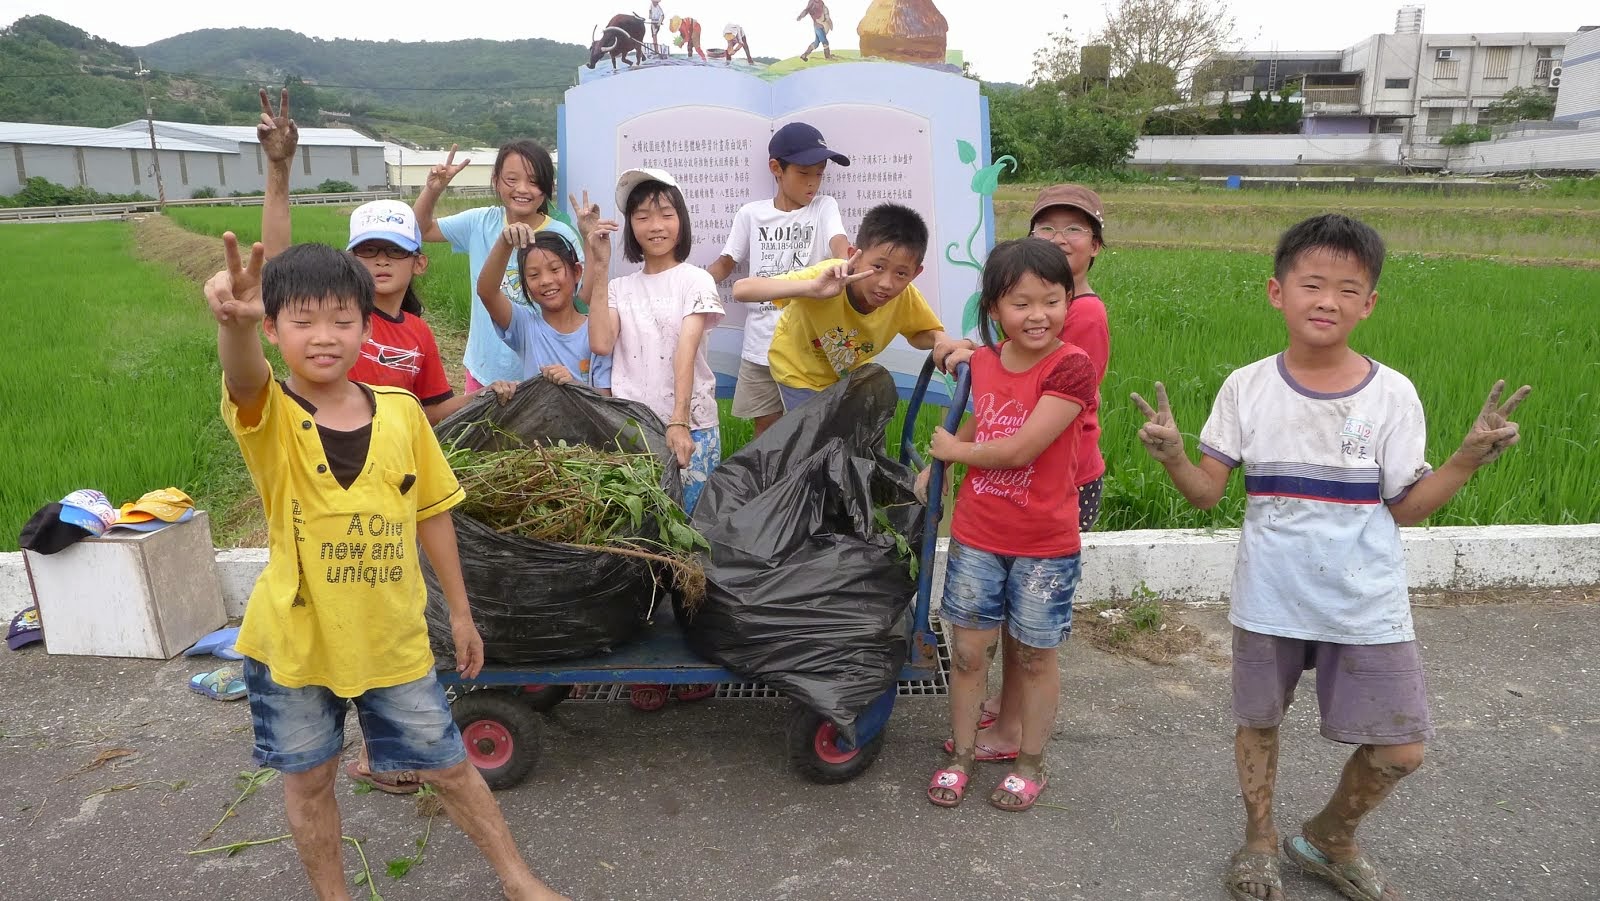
(1368, 694)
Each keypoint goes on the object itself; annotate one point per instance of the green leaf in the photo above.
(987, 179)
(635, 505)
(967, 152)
(400, 867)
(969, 313)
(363, 788)
(361, 878)
(684, 537)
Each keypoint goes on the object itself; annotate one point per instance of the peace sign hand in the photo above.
(597, 244)
(1493, 431)
(1160, 433)
(439, 176)
(234, 294)
(833, 281)
(588, 214)
(276, 132)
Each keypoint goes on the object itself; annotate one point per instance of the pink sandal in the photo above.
(1025, 790)
(985, 753)
(951, 780)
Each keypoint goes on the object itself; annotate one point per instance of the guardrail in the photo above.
(117, 210)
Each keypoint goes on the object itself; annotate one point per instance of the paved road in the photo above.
(697, 802)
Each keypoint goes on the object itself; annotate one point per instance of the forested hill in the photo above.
(476, 91)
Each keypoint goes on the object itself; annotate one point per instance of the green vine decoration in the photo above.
(984, 183)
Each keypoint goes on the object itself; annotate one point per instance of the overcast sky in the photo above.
(997, 36)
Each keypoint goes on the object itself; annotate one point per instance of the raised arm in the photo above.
(1201, 485)
(278, 136)
(1491, 434)
(491, 276)
(234, 295)
(438, 179)
(603, 324)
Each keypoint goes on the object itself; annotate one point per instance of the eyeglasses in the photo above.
(1049, 232)
(392, 251)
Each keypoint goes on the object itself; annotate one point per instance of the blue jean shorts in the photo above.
(407, 727)
(1031, 595)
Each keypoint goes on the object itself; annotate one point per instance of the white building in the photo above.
(341, 154)
(408, 167)
(110, 161)
(1577, 79)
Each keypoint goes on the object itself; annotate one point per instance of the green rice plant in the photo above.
(110, 372)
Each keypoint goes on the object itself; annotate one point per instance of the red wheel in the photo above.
(814, 749)
(825, 744)
(696, 692)
(648, 698)
(500, 733)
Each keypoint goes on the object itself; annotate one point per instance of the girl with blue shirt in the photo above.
(525, 182)
(550, 337)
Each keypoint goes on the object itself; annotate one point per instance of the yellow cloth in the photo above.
(341, 601)
(819, 342)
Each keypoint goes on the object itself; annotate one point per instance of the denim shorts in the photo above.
(407, 727)
(1031, 595)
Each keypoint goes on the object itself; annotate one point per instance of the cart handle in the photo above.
(958, 403)
(934, 513)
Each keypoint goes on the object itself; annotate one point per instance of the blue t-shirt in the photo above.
(474, 232)
(538, 345)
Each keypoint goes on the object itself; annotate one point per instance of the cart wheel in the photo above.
(648, 698)
(501, 735)
(814, 752)
(545, 697)
(696, 692)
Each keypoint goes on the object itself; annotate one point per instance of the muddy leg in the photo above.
(1255, 754)
(1369, 776)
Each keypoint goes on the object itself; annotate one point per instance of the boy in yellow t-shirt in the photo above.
(839, 314)
(352, 481)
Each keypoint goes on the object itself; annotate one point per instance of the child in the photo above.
(821, 24)
(735, 36)
(552, 338)
(1332, 446)
(654, 323)
(343, 465)
(524, 180)
(400, 351)
(656, 15)
(796, 228)
(1014, 534)
(1071, 217)
(837, 315)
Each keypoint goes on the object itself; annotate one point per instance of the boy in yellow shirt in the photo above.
(839, 314)
(352, 481)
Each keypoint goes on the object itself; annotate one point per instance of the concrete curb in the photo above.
(1191, 565)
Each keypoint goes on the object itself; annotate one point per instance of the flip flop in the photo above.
(1026, 790)
(1258, 867)
(949, 779)
(1358, 879)
(985, 753)
(219, 643)
(391, 783)
(225, 683)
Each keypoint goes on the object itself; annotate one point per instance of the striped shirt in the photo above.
(1319, 556)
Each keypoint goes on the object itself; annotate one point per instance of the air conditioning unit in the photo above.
(1555, 71)
(1446, 54)
(1555, 81)
(1318, 106)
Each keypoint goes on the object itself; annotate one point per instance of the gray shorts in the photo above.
(1367, 694)
(755, 394)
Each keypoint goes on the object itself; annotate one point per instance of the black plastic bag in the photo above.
(806, 591)
(539, 601)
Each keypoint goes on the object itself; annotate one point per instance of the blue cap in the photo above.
(802, 145)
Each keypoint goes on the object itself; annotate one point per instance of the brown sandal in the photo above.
(1256, 868)
(403, 782)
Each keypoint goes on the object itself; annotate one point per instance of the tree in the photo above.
(1519, 104)
(1225, 123)
(1254, 119)
(1153, 41)
(1056, 63)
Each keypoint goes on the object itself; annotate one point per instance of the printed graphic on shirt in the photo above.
(996, 420)
(373, 551)
(299, 554)
(1355, 439)
(842, 348)
(401, 359)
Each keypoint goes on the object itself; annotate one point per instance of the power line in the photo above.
(237, 79)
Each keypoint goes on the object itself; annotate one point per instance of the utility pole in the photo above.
(150, 124)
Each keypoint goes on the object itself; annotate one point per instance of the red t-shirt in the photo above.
(1031, 511)
(1086, 327)
(402, 354)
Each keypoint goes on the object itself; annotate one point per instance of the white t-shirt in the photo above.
(650, 313)
(775, 242)
(657, 14)
(1320, 556)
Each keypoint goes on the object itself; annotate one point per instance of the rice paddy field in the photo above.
(109, 359)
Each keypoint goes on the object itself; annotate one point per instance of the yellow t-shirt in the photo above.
(819, 342)
(341, 601)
